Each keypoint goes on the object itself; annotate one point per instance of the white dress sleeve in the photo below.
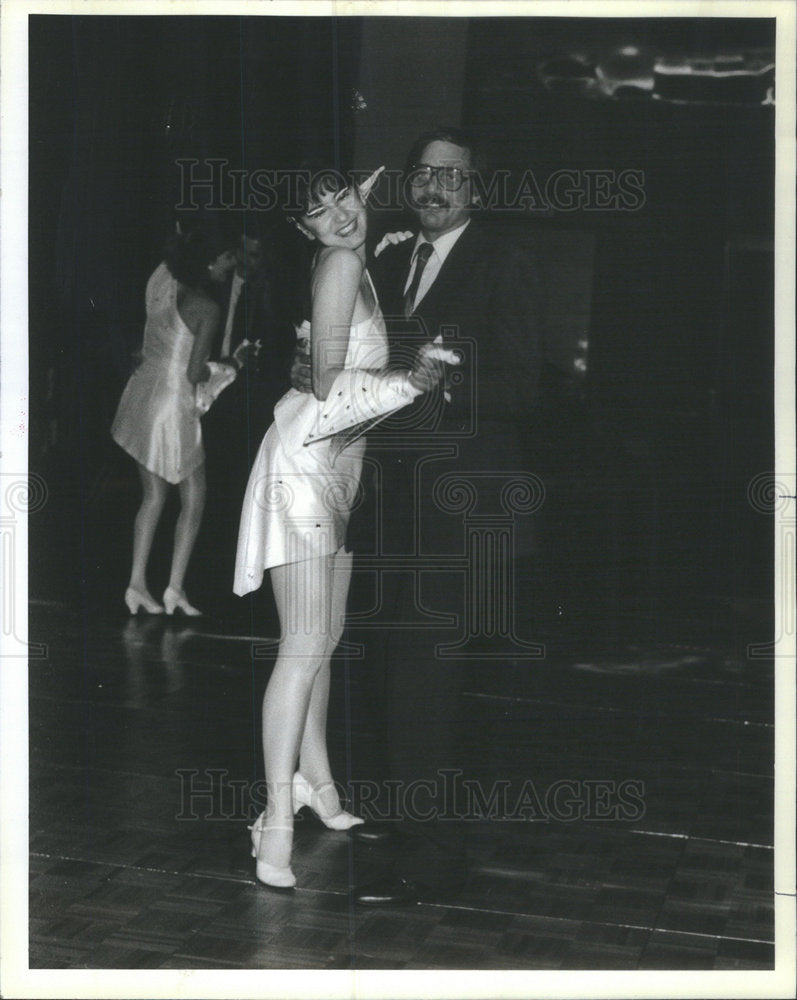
(359, 397)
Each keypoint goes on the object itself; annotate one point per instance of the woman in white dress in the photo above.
(157, 420)
(303, 484)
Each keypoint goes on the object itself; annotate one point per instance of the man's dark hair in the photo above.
(456, 136)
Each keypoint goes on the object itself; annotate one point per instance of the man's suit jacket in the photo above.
(486, 298)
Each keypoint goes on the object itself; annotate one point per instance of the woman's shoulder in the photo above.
(341, 260)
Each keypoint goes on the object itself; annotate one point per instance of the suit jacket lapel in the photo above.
(452, 278)
(395, 277)
(455, 270)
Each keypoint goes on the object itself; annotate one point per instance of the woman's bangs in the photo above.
(325, 182)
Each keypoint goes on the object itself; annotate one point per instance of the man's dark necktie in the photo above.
(421, 258)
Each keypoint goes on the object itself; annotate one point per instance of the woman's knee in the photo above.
(153, 500)
(193, 508)
(336, 629)
(192, 502)
(302, 653)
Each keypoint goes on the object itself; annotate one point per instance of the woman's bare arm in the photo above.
(201, 315)
(336, 283)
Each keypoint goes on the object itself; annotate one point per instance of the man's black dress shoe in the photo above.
(389, 891)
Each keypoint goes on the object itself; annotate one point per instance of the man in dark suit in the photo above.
(449, 468)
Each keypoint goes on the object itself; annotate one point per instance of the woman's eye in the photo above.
(341, 195)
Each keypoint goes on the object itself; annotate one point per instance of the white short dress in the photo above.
(157, 421)
(306, 476)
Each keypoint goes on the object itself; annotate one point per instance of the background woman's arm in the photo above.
(202, 318)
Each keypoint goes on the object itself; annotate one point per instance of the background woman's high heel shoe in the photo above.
(173, 599)
(270, 875)
(135, 600)
(305, 795)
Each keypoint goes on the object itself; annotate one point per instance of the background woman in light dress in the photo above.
(157, 421)
(303, 484)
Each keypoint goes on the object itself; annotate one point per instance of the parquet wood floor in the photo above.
(121, 708)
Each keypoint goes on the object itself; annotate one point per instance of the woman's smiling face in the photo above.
(336, 219)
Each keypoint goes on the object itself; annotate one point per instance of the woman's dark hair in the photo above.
(311, 182)
(188, 254)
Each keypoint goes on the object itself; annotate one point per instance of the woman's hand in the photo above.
(429, 367)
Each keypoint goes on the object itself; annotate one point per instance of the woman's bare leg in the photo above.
(303, 594)
(192, 500)
(154, 491)
(313, 755)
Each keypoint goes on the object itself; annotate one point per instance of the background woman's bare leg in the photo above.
(192, 501)
(154, 491)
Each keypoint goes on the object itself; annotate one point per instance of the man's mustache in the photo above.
(430, 201)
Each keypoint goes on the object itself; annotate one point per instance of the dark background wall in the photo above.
(647, 454)
(678, 407)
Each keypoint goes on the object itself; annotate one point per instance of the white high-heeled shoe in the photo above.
(135, 600)
(305, 795)
(175, 599)
(270, 875)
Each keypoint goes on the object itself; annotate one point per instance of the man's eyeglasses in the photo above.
(450, 178)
